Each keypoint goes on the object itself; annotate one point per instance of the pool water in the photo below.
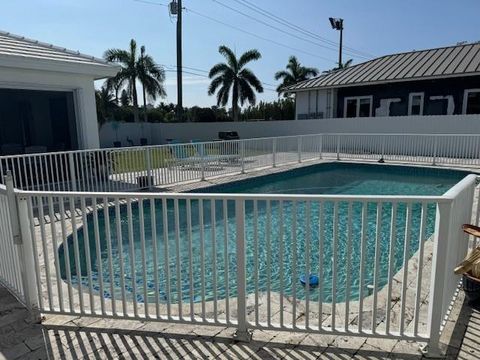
(276, 247)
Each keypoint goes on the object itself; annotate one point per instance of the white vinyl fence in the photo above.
(135, 168)
(239, 259)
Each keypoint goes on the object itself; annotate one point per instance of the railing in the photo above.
(135, 168)
(10, 272)
(239, 259)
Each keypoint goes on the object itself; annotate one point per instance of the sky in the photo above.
(372, 28)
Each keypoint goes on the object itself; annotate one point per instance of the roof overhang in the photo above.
(95, 70)
(383, 82)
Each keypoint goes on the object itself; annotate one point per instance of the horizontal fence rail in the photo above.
(327, 264)
(135, 168)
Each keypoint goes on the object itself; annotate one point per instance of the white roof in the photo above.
(18, 51)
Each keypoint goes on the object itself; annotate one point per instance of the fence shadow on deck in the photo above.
(97, 343)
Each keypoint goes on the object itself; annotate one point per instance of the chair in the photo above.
(204, 156)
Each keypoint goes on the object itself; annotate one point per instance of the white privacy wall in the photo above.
(158, 133)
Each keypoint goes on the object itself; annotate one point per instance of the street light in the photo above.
(337, 24)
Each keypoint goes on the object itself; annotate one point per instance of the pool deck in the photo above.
(66, 337)
(76, 337)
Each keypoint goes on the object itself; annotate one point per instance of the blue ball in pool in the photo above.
(313, 280)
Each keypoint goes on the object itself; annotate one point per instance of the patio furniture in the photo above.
(469, 268)
(204, 156)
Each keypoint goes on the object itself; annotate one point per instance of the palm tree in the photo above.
(234, 76)
(142, 68)
(340, 66)
(295, 72)
(106, 104)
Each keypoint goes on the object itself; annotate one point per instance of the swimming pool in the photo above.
(276, 233)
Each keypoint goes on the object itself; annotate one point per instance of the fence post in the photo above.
(274, 152)
(338, 147)
(383, 147)
(299, 148)
(435, 145)
(149, 168)
(435, 307)
(202, 160)
(242, 333)
(320, 150)
(242, 155)
(22, 239)
(71, 169)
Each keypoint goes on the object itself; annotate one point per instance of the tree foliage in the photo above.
(282, 109)
(135, 67)
(340, 66)
(233, 77)
(294, 73)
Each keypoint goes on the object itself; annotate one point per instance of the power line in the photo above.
(242, 30)
(256, 35)
(206, 71)
(150, 2)
(266, 86)
(281, 30)
(297, 28)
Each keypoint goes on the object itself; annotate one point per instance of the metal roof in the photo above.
(452, 61)
(19, 46)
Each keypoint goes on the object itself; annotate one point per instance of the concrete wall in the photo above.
(158, 133)
(81, 85)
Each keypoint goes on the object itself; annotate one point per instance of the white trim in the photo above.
(410, 97)
(97, 71)
(357, 98)
(465, 98)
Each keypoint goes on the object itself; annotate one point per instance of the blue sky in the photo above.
(374, 27)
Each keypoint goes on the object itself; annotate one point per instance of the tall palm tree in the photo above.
(137, 67)
(340, 66)
(295, 72)
(235, 77)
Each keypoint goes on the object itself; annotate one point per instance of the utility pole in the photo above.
(176, 9)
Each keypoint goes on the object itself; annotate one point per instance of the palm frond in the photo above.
(229, 55)
(214, 85)
(250, 55)
(251, 79)
(246, 92)
(219, 68)
(117, 55)
(282, 74)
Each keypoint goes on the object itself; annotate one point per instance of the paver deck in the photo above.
(64, 337)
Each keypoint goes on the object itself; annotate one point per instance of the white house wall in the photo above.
(81, 85)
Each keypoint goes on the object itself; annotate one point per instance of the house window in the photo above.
(415, 104)
(471, 101)
(358, 106)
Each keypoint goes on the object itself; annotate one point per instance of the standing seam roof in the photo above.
(456, 60)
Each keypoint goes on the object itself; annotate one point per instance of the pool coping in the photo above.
(190, 186)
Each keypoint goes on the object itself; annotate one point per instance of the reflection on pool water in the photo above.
(279, 254)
